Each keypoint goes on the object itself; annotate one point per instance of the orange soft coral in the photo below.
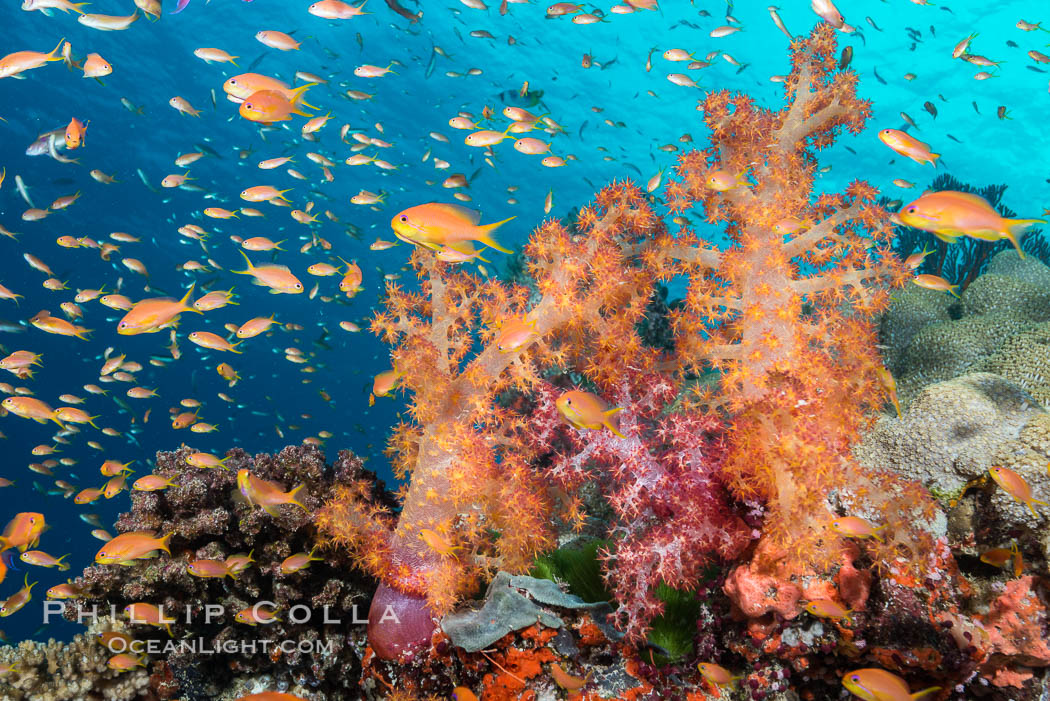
(470, 462)
(784, 312)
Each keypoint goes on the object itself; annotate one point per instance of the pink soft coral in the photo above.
(673, 516)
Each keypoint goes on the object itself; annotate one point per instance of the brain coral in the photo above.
(1024, 359)
(952, 432)
(931, 337)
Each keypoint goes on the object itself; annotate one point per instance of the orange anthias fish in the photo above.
(384, 384)
(460, 693)
(1015, 486)
(567, 681)
(148, 614)
(879, 685)
(264, 493)
(278, 278)
(908, 146)
(268, 106)
(206, 569)
(96, 67)
(854, 527)
(20, 61)
(134, 545)
(75, 132)
(299, 561)
(436, 225)
(935, 282)
(826, 608)
(717, 674)
(890, 385)
(152, 315)
(586, 410)
(23, 531)
(19, 599)
(439, 543)
(31, 408)
(239, 87)
(253, 615)
(721, 180)
(515, 333)
(949, 215)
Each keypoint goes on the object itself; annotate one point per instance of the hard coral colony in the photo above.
(715, 484)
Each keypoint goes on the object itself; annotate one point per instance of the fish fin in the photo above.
(293, 497)
(924, 692)
(1016, 226)
(163, 544)
(51, 56)
(268, 508)
(608, 422)
(186, 298)
(251, 268)
(485, 235)
(297, 97)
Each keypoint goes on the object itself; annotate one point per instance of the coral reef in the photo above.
(61, 671)
(467, 450)
(782, 316)
(209, 520)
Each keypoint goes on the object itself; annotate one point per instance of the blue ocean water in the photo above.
(616, 116)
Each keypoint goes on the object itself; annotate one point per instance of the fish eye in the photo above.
(247, 105)
(404, 218)
(855, 677)
(911, 209)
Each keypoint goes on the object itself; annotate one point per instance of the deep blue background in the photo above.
(154, 61)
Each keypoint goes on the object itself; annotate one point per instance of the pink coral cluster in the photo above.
(673, 516)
